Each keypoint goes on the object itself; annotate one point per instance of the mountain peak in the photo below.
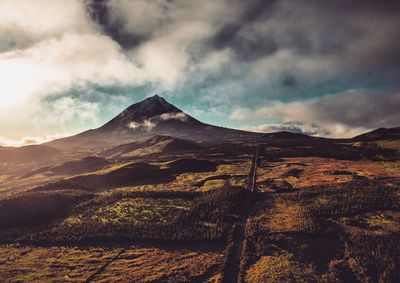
(154, 98)
(154, 101)
(147, 114)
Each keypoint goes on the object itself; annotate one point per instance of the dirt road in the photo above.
(232, 267)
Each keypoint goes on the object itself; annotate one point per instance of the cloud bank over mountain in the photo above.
(346, 113)
(327, 68)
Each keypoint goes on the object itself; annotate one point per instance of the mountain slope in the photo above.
(380, 134)
(27, 153)
(154, 145)
(382, 138)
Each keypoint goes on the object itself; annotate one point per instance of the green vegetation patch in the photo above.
(138, 210)
(391, 167)
(185, 217)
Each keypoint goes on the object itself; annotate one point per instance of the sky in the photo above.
(326, 68)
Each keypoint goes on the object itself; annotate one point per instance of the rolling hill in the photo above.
(380, 134)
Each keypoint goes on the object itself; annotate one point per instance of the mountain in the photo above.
(150, 117)
(380, 134)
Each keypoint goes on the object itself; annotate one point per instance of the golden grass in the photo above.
(379, 222)
(4, 178)
(391, 167)
(281, 267)
(52, 264)
(213, 184)
(156, 148)
(284, 217)
(26, 182)
(106, 170)
(389, 144)
(188, 181)
(157, 264)
(385, 144)
(318, 171)
(215, 279)
(72, 264)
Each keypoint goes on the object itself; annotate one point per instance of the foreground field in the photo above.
(77, 264)
(149, 216)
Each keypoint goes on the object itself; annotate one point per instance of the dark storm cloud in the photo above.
(360, 109)
(101, 13)
(228, 36)
(360, 34)
(288, 81)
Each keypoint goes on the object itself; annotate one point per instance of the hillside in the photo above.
(380, 134)
(30, 153)
(155, 145)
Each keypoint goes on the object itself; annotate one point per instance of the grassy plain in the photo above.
(147, 216)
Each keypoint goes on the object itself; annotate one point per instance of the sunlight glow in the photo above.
(19, 81)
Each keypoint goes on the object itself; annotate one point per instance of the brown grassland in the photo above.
(322, 211)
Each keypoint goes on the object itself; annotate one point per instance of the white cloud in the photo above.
(29, 140)
(146, 125)
(56, 65)
(149, 124)
(65, 114)
(134, 125)
(69, 109)
(131, 13)
(174, 116)
(167, 58)
(23, 24)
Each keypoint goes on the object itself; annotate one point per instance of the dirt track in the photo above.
(232, 272)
